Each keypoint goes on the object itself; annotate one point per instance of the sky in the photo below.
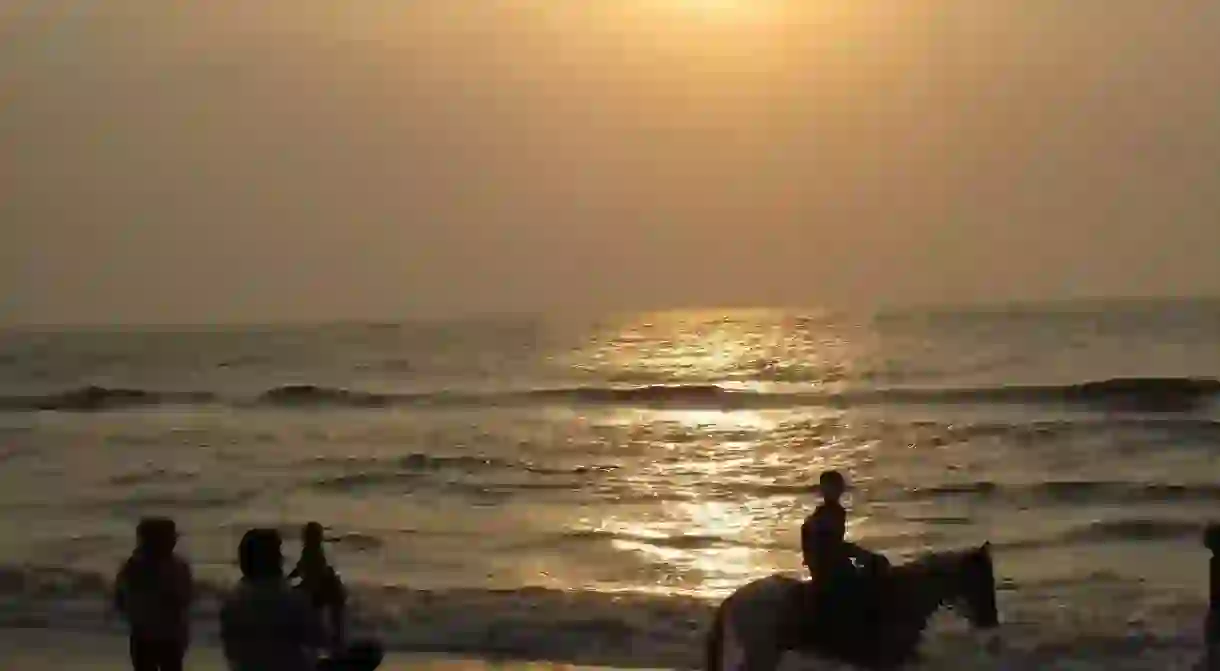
(283, 160)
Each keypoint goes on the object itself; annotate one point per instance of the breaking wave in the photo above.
(1073, 492)
(94, 398)
(1147, 395)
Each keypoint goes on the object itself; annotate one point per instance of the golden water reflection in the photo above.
(728, 500)
(751, 347)
(708, 548)
(726, 490)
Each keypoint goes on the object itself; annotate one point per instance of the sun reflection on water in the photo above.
(727, 501)
(756, 347)
(726, 488)
(708, 547)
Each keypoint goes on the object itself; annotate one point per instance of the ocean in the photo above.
(583, 490)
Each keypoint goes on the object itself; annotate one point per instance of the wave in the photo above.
(1135, 530)
(1073, 492)
(1131, 394)
(1122, 530)
(416, 469)
(692, 395)
(309, 395)
(1137, 395)
(95, 398)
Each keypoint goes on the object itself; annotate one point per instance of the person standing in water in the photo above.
(319, 580)
(153, 592)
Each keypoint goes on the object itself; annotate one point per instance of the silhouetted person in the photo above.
(153, 592)
(822, 535)
(837, 581)
(266, 625)
(319, 580)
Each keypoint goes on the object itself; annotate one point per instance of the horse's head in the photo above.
(972, 587)
(962, 579)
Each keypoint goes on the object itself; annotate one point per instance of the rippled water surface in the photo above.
(582, 490)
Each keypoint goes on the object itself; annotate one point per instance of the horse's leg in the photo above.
(764, 658)
(761, 646)
(896, 646)
(713, 651)
(743, 643)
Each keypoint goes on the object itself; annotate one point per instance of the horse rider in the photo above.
(832, 560)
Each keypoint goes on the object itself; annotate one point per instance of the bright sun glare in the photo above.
(717, 10)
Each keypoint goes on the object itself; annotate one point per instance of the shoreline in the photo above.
(40, 649)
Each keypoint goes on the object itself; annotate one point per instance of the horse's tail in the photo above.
(714, 642)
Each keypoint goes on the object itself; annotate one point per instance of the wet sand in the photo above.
(47, 650)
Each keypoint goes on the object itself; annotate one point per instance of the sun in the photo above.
(730, 11)
(718, 8)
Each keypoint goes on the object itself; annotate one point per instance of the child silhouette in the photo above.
(319, 580)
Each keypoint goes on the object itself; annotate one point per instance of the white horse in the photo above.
(762, 620)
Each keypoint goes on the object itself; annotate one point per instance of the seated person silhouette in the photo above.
(266, 625)
(838, 584)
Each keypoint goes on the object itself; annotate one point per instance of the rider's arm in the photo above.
(865, 557)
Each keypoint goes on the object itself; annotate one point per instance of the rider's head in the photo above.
(832, 485)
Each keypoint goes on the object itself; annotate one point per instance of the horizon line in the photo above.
(432, 318)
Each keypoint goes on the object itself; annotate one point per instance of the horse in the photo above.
(760, 621)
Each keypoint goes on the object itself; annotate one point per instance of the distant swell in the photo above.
(1149, 395)
(93, 398)
(1135, 530)
(308, 394)
(1123, 394)
(1073, 492)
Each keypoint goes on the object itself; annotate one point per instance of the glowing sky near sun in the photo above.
(279, 160)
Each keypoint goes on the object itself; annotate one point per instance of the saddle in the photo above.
(842, 607)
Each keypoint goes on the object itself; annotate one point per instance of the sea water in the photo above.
(584, 490)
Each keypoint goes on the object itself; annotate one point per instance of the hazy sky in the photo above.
(284, 159)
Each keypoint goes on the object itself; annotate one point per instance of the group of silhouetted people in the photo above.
(266, 623)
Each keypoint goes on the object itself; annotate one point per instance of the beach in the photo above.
(46, 650)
